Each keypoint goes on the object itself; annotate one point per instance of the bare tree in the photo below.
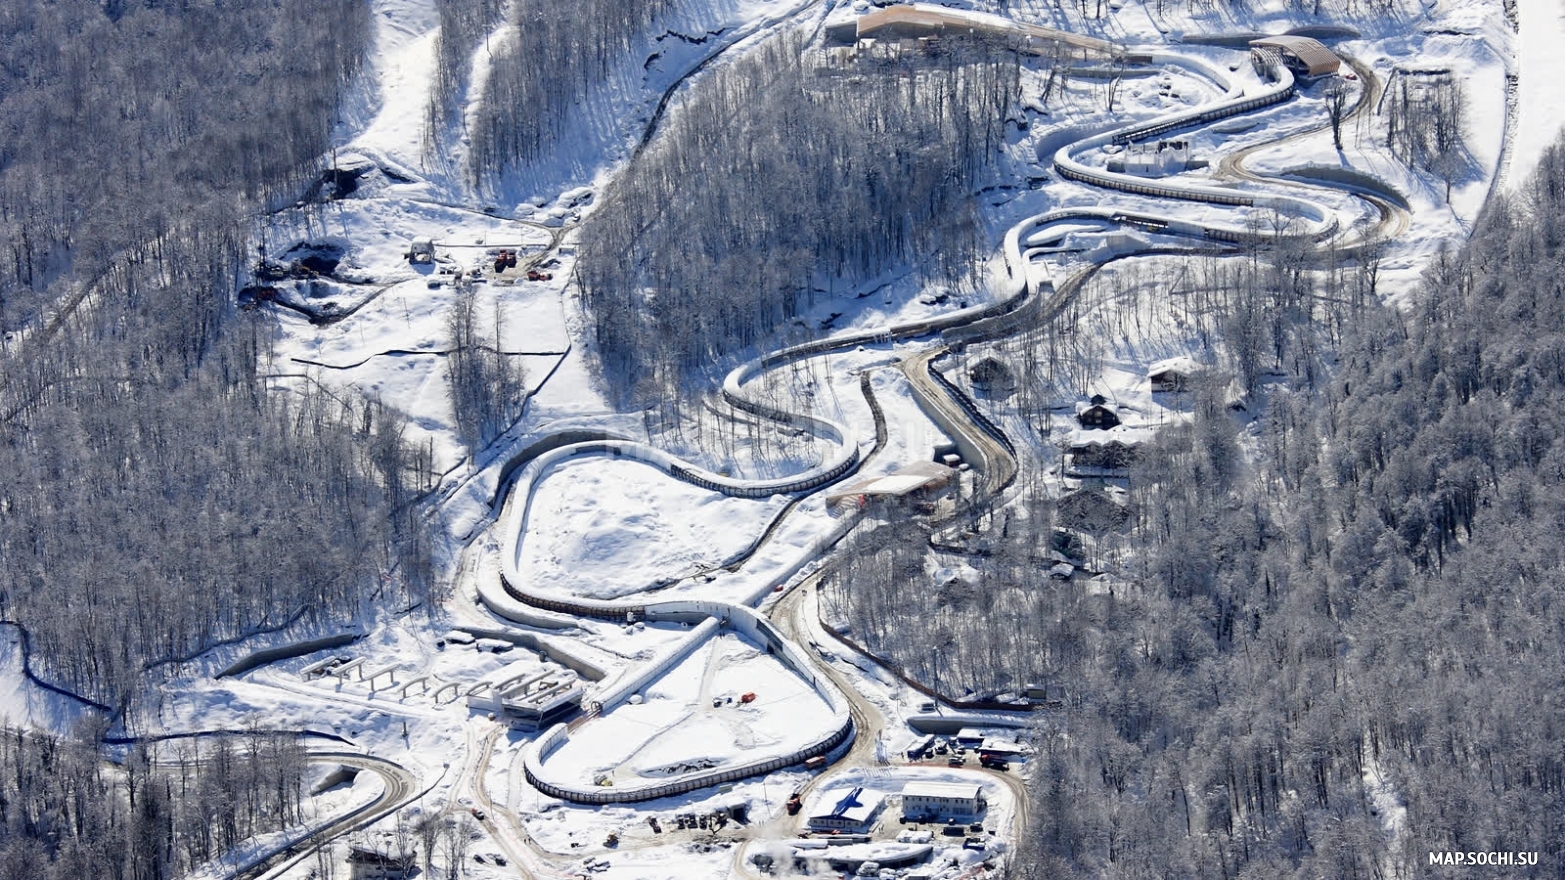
(1336, 108)
(458, 836)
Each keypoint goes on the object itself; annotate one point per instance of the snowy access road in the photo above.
(798, 615)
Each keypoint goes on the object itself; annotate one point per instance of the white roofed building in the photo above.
(1152, 159)
(937, 801)
(1104, 453)
(919, 477)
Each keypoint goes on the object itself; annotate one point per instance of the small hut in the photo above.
(991, 376)
(1174, 374)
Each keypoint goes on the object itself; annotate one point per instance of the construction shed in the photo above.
(1304, 55)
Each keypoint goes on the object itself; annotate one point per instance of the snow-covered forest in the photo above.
(156, 498)
(166, 809)
(811, 178)
(554, 52)
(1365, 597)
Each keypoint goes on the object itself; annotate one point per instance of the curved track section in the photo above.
(755, 626)
(400, 788)
(1322, 222)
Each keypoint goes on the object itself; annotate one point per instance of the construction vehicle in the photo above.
(535, 275)
(794, 805)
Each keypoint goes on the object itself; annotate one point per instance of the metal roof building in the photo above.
(1313, 55)
(854, 811)
(927, 19)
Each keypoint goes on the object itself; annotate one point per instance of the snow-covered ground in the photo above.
(1540, 67)
(22, 702)
(693, 718)
(613, 528)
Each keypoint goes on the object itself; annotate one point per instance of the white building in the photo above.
(1153, 159)
(854, 811)
(912, 479)
(936, 801)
